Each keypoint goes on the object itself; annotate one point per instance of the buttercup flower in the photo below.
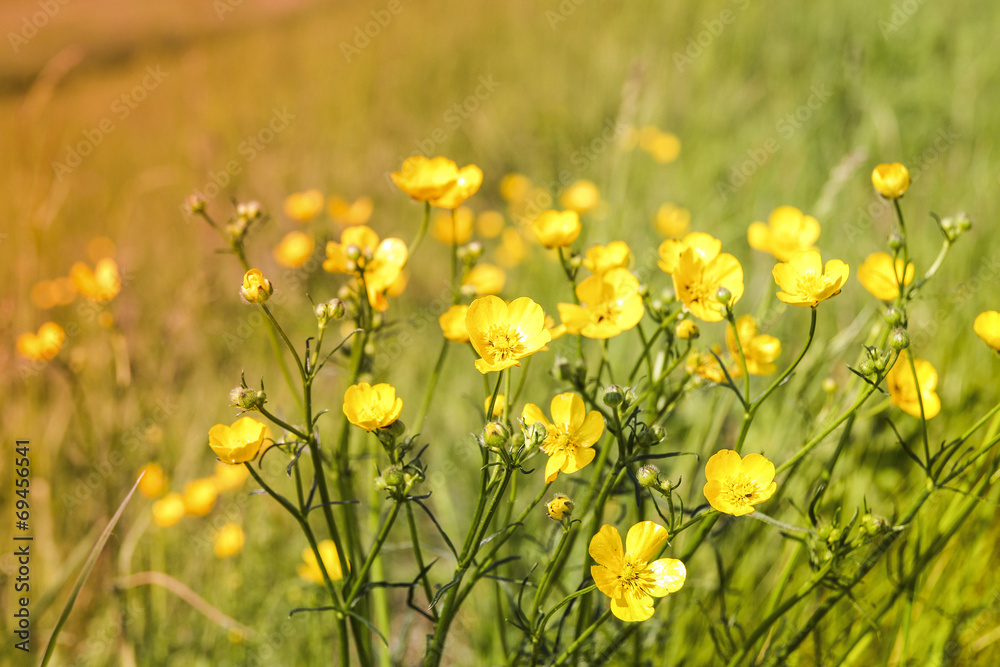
(229, 477)
(452, 323)
(630, 576)
(378, 263)
(229, 541)
(497, 407)
(891, 180)
(309, 568)
(734, 485)
(304, 206)
(559, 507)
(47, 294)
(490, 224)
(760, 351)
(256, 288)
(609, 304)
(371, 407)
(904, 392)
(987, 327)
(448, 228)
(425, 179)
(358, 212)
(154, 481)
(466, 184)
(879, 275)
(705, 365)
(515, 187)
(557, 230)
(239, 442)
(100, 285)
(687, 330)
(199, 496)
(571, 433)
(696, 282)
(44, 345)
(787, 231)
(504, 334)
(484, 279)
(705, 246)
(672, 220)
(665, 147)
(168, 510)
(513, 249)
(582, 196)
(295, 249)
(603, 258)
(805, 281)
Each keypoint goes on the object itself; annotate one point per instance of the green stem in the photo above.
(431, 385)
(584, 636)
(373, 553)
(415, 539)
(422, 230)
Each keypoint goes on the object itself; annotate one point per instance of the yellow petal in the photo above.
(606, 548)
(669, 575)
(645, 539)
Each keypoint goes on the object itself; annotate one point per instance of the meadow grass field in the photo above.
(877, 546)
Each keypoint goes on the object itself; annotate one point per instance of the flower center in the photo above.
(504, 344)
(811, 282)
(559, 441)
(607, 311)
(740, 491)
(633, 578)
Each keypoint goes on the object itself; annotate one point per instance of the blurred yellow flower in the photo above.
(672, 221)
(229, 477)
(100, 285)
(484, 279)
(47, 294)
(466, 184)
(452, 323)
(760, 351)
(696, 282)
(987, 327)
(571, 435)
(239, 442)
(199, 496)
(559, 507)
(168, 510)
(425, 179)
(687, 330)
(309, 568)
(453, 227)
(903, 390)
(503, 334)
(360, 253)
(705, 365)
(372, 407)
(490, 224)
(512, 250)
(804, 280)
(497, 407)
(630, 576)
(256, 288)
(229, 541)
(154, 481)
(555, 229)
(304, 206)
(609, 304)
(602, 258)
(100, 247)
(44, 345)
(358, 212)
(705, 246)
(515, 187)
(787, 231)
(398, 286)
(295, 249)
(734, 485)
(891, 180)
(582, 196)
(880, 275)
(665, 147)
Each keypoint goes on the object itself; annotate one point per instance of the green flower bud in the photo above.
(899, 339)
(893, 316)
(393, 477)
(723, 296)
(613, 396)
(648, 475)
(896, 240)
(246, 398)
(535, 434)
(867, 367)
(496, 435)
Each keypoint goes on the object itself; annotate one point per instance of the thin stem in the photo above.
(584, 636)
(431, 385)
(373, 553)
(422, 230)
(288, 343)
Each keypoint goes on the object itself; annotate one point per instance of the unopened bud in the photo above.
(496, 435)
(613, 396)
(535, 434)
(652, 436)
(867, 367)
(648, 475)
(899, 339)
(352, 252)
(246, 398)
(687, 330)
(896, 241)
(723, 296)
(893, 316)
(559, 507)
(195, 203)
(393, 477)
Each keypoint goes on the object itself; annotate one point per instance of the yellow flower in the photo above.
(582, 196)
(484, 279)
(44, 345)
(229, 541)
(154, 481)
(51, 293)
(672, 220)
(497, 407)
(256, 288)
(696, 282)
(457, 230)
(706, 246)
(309, 568)
(168, 510)
(199, 496)
(515, 187)
(733, 484)
(603, 258)
(630, 576)
(571, 433)
(100, 285)
(295, 249)
(705, 365)
(987, 327)
(490, 224)
(557, 230)
(452, 323)
(805, 281)
(379, 263)
(903, 390)
(238, 443)
(372, 408)
(512, 250)
(358, 212)
(665, 147)
(609, 304)
(760, 351)
(559, 507)
(425, 179)
(466, 184)
(891, 180)
(879, 275)
(304, 206)
(503, 334)
(787, 231)
(228, 477)
(687, 330)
